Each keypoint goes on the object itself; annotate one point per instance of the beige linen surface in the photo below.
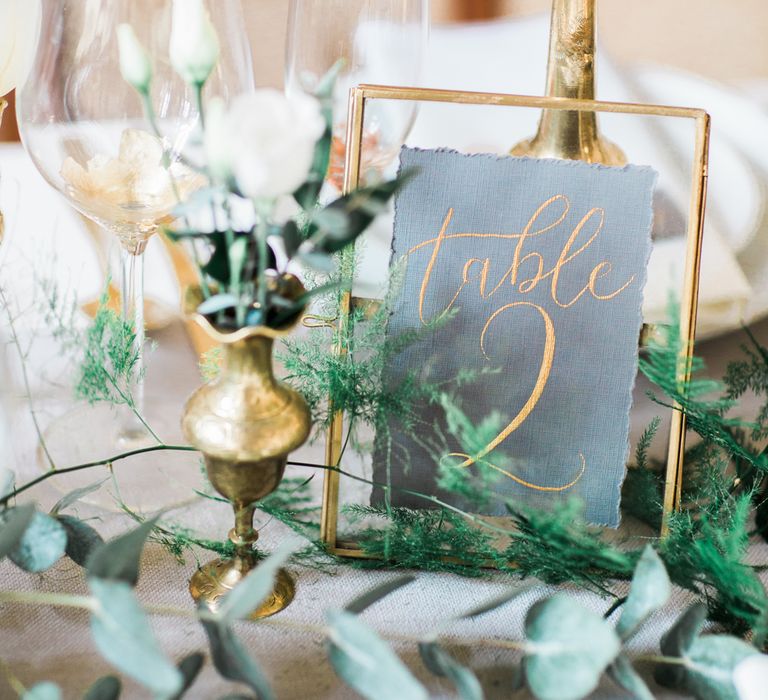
(55, 643)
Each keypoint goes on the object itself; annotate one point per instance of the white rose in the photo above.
(135, 64)
(19, 29)
(194, 46)
(266, 142)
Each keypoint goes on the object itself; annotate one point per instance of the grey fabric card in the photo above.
(544, 263)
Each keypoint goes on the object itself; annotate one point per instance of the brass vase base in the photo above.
(218, 577)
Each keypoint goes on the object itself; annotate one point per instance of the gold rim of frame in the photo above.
(688, 305)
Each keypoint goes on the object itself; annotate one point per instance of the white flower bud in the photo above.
(19, 30)
(135, 64)
(194, 47)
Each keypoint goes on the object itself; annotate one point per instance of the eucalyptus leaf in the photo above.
(238, 252)
(292, 237)
(242, 600)
(123, 636)
(106, 688)
(364, 601)
(232, 661)
(676, 642)
(624, 675)
(650, 589)
(82, 539)
(42, 544)
(711, 662)
(495, 603)
(442, 664)
(360, 208)
(333, 221)
(679, 638)
(318, 261)
(570, 648)
(307, 195)
(15, 522)
(7, 481)
(119, 559)
(218, 302)
(74, 496)
(43, 691)
(367, 664)
(189, 668)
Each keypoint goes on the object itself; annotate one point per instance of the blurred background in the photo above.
(724, 40)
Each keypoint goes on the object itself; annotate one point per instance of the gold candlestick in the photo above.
(245, 423)
(571, 74)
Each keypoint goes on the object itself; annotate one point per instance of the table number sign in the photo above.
(542, 265)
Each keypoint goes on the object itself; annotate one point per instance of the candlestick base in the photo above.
(217, 578)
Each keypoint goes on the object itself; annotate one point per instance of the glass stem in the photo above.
(133, 315)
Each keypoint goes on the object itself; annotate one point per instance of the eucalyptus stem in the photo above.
(13, 680)
(109, 461)
(199, 103)
(87, 603)
(261, 241)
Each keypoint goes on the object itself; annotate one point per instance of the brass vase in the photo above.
(245, 423)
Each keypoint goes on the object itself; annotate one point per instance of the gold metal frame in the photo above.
(688, 308)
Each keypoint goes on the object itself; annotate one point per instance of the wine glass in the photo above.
(379, 42)
(86, 130)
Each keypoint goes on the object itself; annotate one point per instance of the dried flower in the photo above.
(136, 182)
(194, 47)
(135, 64)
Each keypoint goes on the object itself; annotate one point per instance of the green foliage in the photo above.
(73, 497)
(706, 555)
(109, 357)
(433, 540)
(43, 543)
(123, 636)
(650, 590)
(750, 374)
(106, 688)
(14, 524)
(82, 539)
(570, 648)
(189, 668)
(119, 559)
(475, 485)
(624, 675)
(707, 663)
(364, 601)
(699, 398)
(43, 691)
(366, 663)
(343, 367)
(254, 588)
(442, 664)
(557, 546)
(232, 659)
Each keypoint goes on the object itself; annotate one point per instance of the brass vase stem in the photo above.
(571, 135)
